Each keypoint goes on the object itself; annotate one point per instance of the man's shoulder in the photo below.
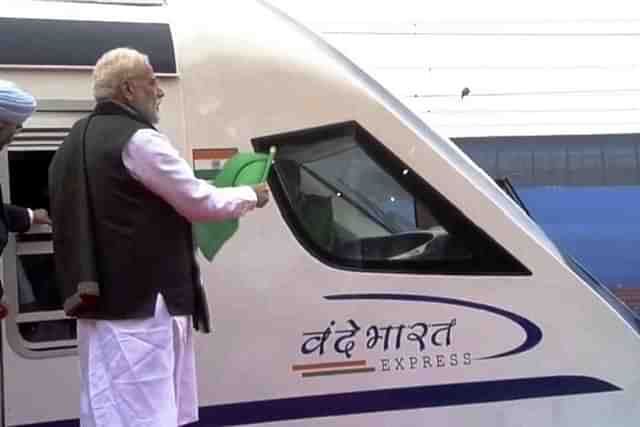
(149, 140)
(79, 124)
(149, 133)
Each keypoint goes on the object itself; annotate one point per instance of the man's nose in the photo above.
(160, 93)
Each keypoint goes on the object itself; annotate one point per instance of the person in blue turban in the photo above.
(16, 106)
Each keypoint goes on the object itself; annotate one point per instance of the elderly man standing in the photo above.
(122, 201)
(16, 106)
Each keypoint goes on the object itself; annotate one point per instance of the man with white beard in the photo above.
(122, 201)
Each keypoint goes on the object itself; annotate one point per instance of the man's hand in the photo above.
(3, 310)
(262, 192)
(41, 216)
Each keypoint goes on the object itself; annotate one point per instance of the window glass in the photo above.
(29, 266)
(37, 289)
(48, 331)
(353, 203)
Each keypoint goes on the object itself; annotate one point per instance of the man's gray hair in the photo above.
(114, 68)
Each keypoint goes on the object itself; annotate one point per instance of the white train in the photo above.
(391, 281)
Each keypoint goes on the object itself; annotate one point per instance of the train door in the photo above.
(39, 342)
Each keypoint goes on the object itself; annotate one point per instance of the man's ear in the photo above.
(127, 90)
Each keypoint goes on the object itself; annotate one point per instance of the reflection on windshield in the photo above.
(354, 204)
(352, 207)
(367, 186)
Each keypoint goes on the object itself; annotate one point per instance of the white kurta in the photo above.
(141, 372)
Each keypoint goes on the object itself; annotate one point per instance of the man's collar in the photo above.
(111, 107)
(126, 107)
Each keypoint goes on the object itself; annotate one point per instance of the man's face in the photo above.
(7, 131)
(147, 95)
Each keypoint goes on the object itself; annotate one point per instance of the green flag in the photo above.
(241, 169)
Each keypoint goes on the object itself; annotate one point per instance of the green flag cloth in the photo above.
(241, 169)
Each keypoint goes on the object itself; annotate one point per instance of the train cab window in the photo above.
(355, 205)
(40, 322)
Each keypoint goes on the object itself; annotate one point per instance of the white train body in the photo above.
(356, 317)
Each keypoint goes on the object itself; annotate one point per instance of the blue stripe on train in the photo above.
(390, 400)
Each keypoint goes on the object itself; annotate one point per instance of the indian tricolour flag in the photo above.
(208, 162)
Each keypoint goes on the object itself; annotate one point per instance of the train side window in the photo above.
(38, 326)
(354, 205)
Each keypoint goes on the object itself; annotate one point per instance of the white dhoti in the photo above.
(141, 373)
(137, 373)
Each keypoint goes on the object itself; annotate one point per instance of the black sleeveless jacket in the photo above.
(141, 245)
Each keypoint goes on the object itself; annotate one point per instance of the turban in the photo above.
(16, 105)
